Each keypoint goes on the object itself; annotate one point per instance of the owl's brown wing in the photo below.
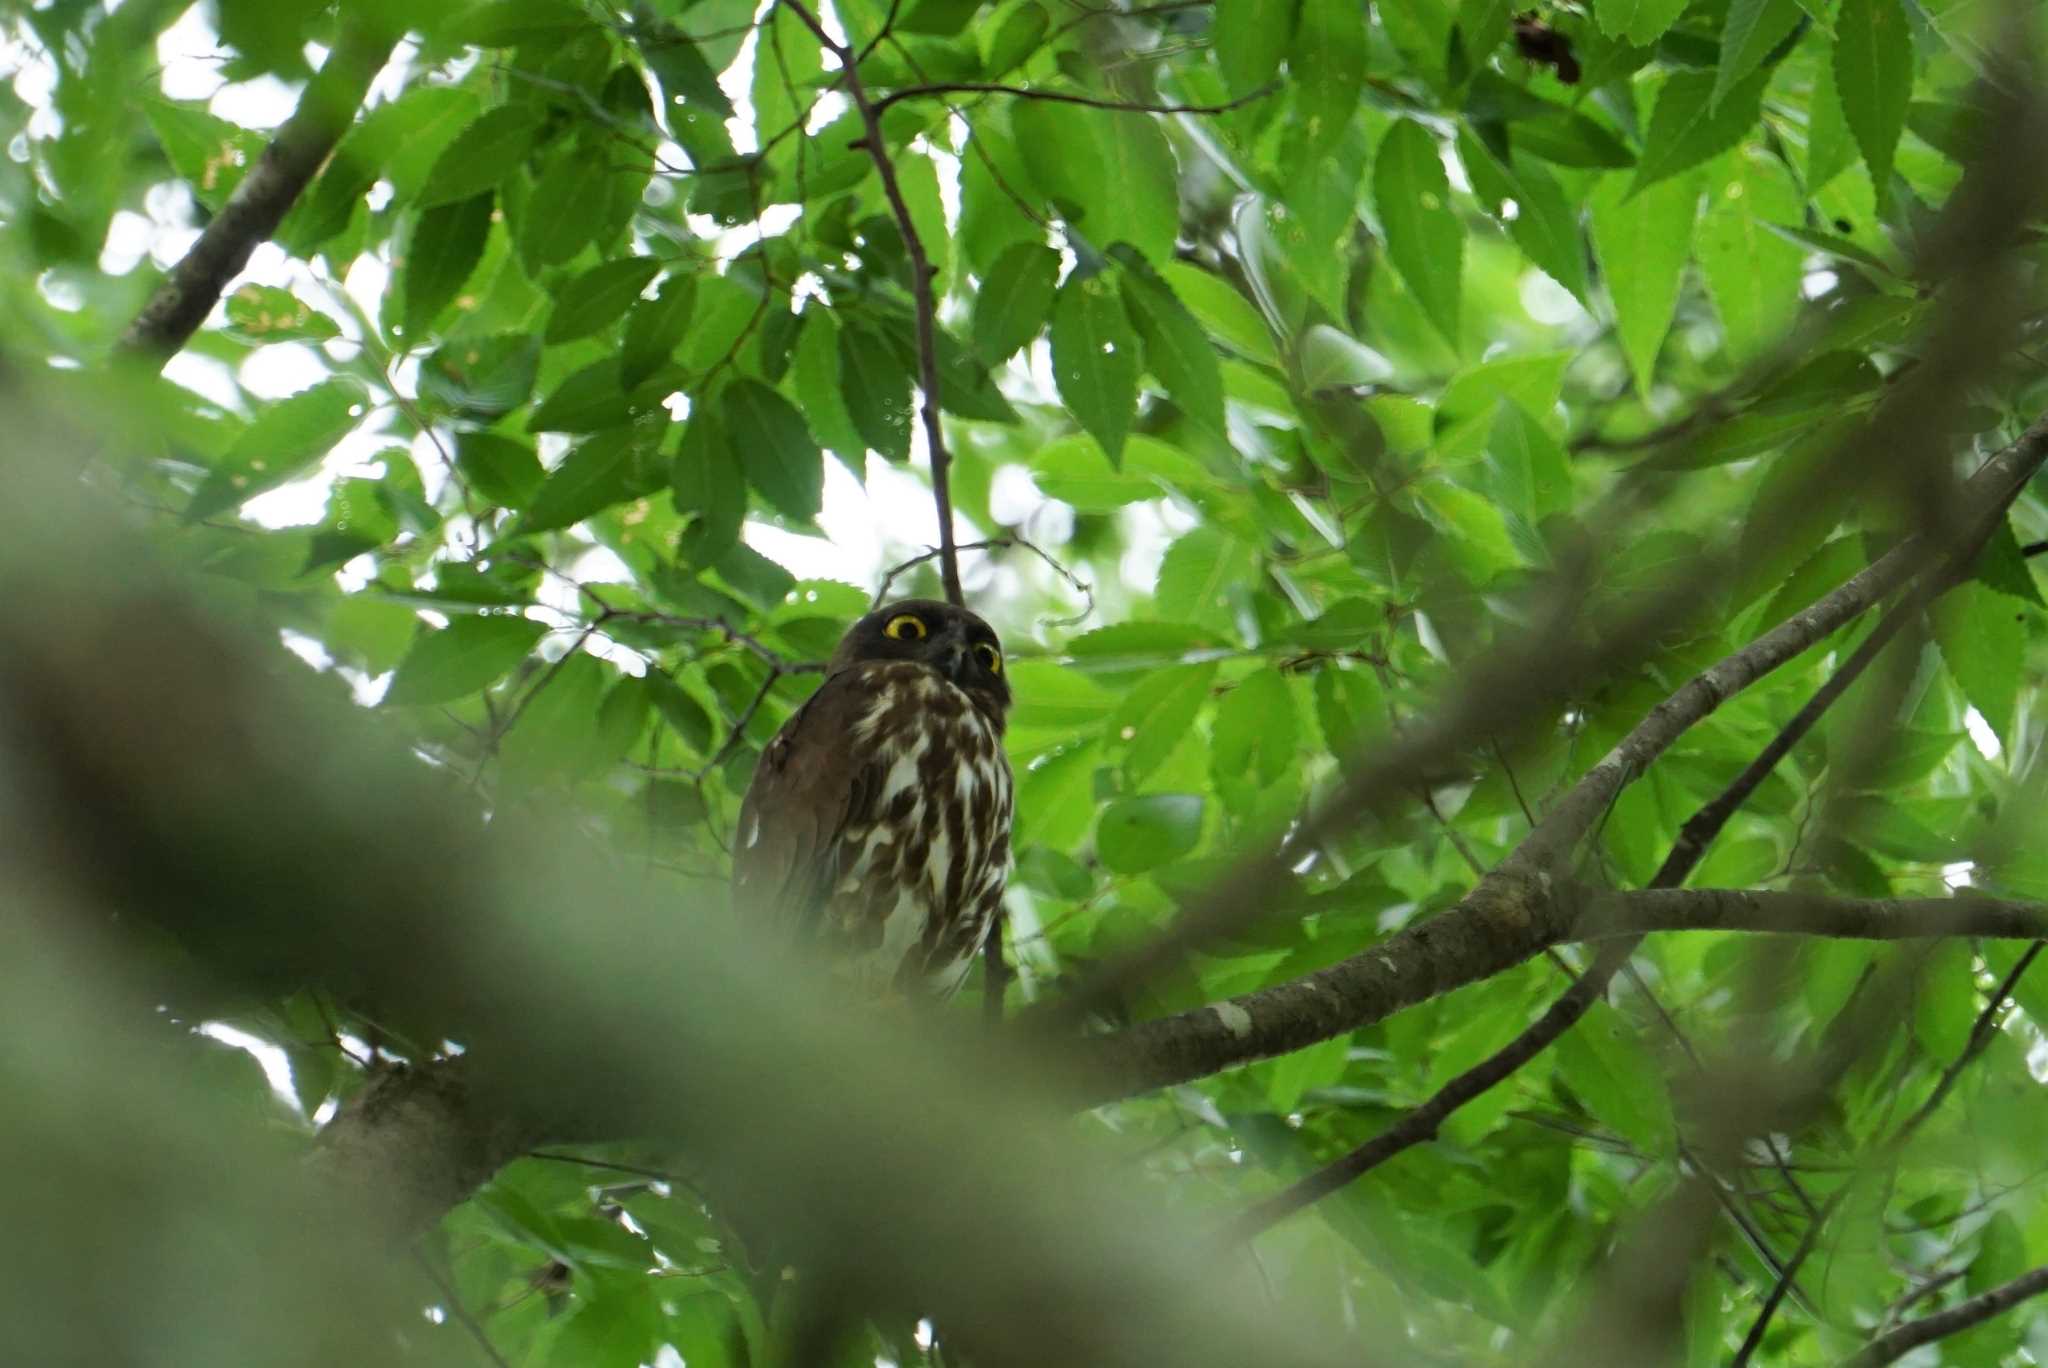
(812, 783)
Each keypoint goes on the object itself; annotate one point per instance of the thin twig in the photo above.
(1071, 97)
(921, 273)
(453, 1300)
(1079, 585)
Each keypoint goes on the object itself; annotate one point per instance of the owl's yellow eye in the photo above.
(905, 627)
(989, 657)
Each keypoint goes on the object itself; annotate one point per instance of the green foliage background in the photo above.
(1376, 335)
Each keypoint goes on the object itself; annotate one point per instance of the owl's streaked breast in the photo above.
(924, 858)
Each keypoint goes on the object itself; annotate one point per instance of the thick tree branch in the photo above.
(1607, 915)
(1503, 921)
(326, 109)
(1896, 1344)
(921, 273)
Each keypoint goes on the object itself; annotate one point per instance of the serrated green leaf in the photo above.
(781, 459)
(1690, 127)
(1110, 173)
(1197, 574)
(1603, 1060)
(655, 328)
(1752, 29)
(209, 153)
(1641, 22)
(1255, 730)
(1545, 225)
(481, 378)
(814, 370)
(1873, 71)
(1753, 274)
(596, 297)
(1095, 360)
(285, 439)
(1327, 64)
(1642, 242)
(505, 471)
(1249, 38)
(1134, 835)
(1424, 239)
(710, 487)
(1177, 351)
(2004, 566)
(266, 313)
(1983, 639)
(468, 655)
(558, 221)
(1232, 318)
(876, 387)
(1015, 300)
(596, 474)
(447, 243)
(483, 154)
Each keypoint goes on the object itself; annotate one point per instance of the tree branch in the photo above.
(1500, 923)
(1807, 914)
(921, 273)
(1898, 1343)
(326, 109)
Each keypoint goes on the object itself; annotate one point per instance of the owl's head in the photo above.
(953, 641)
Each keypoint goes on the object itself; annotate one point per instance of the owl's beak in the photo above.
(953, 654)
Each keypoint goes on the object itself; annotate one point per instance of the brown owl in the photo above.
(877, 827)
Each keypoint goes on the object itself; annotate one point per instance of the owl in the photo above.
(877, 826)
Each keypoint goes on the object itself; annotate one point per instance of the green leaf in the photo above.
(1752, 29)
(1545, 225)
(596, 474)
(593, 299)
(1198, 574)
(1873, 70)
(1534, 476)
(815, 373)
(782, 460)
(1425, 241)
(1327, 64)
(655, 328)
(1095, 360)
(1571, 139)
(1156, 716)
(1603, 1060)
(682, 712)
(1642, 242)
(447, 243)
(481, 378)
(1689, 126)
(1945, 1006)
(1137, 834)
(1255, 731)
(1110, 173)
(209, 154)
(709, 486)
(587, 400)
(285, 439)
(559, 219)
(1983, 638)
(1753, 273)
(266, 313)
(502, 470)
(557, 734)
(470, 654)
(483, 154)
(1641, 22)
(1014, 301)
(2003, 566)
(877, 391)
(1249, 39)
(1223, 311)
(1177, 351)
